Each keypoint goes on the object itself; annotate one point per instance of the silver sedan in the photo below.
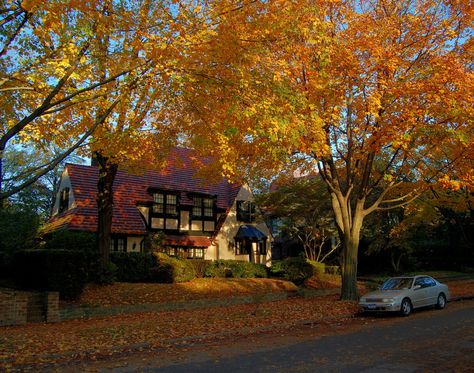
(403, 294)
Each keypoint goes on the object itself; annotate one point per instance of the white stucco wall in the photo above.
(225, 238)
(133, 243)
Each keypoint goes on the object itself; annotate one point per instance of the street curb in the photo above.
(460, 298)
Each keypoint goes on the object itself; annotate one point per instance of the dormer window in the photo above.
(63, 200)
(246, 211)
(203, 214)
(165, 203)
(164, 212)
(203, 207)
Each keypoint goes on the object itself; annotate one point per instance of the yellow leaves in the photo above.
(446, 182)
(30, 5)
(388, 178)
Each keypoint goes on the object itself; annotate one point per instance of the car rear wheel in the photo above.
(441, 303)
(406, 307)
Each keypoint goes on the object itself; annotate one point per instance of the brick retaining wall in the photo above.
(19, 307)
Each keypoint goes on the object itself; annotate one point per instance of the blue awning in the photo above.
(249, 232)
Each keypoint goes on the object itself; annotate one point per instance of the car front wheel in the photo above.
(406, 307)
(441, 303)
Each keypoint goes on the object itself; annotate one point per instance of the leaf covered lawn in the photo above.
(35, 344)
(461, 288)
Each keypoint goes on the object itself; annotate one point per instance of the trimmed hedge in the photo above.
(236, 269)
(132, 267)
(85, 242)
(295, 269)
(54, 270)
(71, 240)
(170, 270)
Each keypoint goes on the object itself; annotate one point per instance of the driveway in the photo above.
(427, 341)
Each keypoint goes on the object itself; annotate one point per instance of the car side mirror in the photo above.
(416, 287)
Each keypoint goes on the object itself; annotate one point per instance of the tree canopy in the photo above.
(66, 65)
(376, 96)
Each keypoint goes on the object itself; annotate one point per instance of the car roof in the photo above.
(413, 276)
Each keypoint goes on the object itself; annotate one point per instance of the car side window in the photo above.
(430, 282)
(419, 281)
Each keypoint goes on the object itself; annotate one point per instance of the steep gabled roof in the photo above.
(130, 189)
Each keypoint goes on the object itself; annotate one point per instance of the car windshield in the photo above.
(397, 283)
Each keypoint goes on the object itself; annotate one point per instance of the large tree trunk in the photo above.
(349, 222)
(349, 268)
(105, 204)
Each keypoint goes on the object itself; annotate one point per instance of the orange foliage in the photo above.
(375, 95)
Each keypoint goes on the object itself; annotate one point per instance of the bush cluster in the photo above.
(200, 266)
(333, 270)
(53, 270)
(324, 268)
(295, 269)
(104, 274)
(61, 265)
(236, 269)
(318, 267)
(170, 270)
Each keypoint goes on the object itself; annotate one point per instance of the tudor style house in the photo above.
(198, 218)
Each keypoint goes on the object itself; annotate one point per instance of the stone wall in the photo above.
(20, 307)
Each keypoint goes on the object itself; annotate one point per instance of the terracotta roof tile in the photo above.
(195, 241)
(178, 175)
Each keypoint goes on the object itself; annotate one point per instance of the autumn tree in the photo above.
(91, 78)
(376, 96)
(130, 136)
(140, 130)
(51, 88)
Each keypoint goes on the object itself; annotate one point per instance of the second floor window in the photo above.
(246, 211)
(203, 207)
(165, 204)
(64, 200)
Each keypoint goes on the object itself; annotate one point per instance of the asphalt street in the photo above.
(428, 341)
